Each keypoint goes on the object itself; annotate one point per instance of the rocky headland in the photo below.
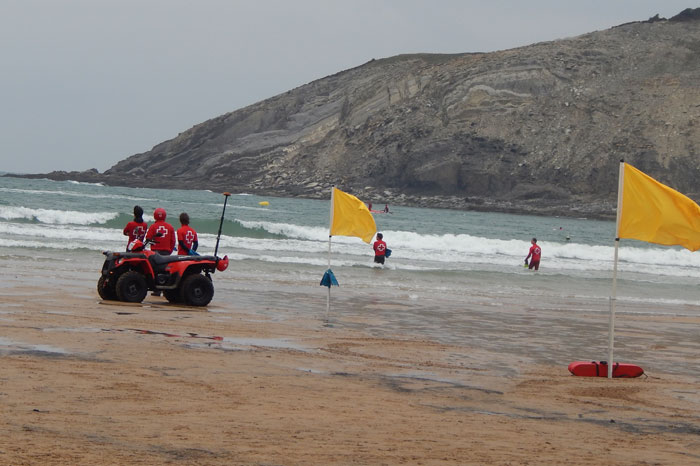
(537, 129)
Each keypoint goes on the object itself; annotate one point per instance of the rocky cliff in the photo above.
(535, 129)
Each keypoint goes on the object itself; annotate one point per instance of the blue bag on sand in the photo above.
(387, 253)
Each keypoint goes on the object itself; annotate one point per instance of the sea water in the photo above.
(439, 255)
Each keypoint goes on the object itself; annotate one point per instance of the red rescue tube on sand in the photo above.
(600, 369)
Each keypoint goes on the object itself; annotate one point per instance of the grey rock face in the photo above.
(537, 129)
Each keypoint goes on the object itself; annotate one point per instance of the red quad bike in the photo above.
(128, 276)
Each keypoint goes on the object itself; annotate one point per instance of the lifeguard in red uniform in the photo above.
(162, 233)
(187, 241)
(535, 253)
(379, 249)
(136, 229)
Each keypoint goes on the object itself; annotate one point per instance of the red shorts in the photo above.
(534, 265)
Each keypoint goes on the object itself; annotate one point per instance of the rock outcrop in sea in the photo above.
(536, 129)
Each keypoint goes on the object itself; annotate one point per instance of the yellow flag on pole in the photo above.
(655, 213)
(351, 217)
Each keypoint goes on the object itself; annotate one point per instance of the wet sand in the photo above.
(259, 377)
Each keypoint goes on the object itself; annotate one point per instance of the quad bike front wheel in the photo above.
(132, 287)
(106, 289)
(197, 290)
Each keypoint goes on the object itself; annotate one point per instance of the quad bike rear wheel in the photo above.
(197, 290)
(132, 287)
(106, 290)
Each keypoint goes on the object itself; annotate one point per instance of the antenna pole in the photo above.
(221, 223)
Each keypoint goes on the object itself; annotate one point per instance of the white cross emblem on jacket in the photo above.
(189, 237)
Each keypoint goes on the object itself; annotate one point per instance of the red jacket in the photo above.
(535, 252)
(165, 242)
(379, 248)
(134, 230)
(187, 235)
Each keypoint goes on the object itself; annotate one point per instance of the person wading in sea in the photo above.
(379, 249)
(535, 253)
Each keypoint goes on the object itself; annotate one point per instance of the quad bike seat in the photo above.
(126, 255)
(157, 259)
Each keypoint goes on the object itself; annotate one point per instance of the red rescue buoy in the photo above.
(600, 369)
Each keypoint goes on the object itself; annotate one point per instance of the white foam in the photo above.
(63, 232)
(56, 217)
(457, 249)
(308, 244)
(85, 183)
(74, 194)
(290, 230)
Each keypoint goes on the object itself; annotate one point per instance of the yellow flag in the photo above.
(351, 217)
(655, 213)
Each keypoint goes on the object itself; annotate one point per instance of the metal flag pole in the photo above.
(613, 296)
(330, 225)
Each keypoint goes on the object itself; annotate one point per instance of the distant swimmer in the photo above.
(386, 208)
(379, 249)
(561, 230)
(535, 253)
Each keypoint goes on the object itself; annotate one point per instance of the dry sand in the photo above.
(82, 383)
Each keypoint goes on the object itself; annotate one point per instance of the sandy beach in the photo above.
(259, 378)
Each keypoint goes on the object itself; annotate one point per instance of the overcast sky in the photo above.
(87, 83)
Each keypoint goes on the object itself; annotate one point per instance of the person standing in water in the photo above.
(379, 249)
(535, 253)
(136, 229)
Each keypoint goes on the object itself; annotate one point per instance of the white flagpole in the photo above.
(328, 298)
(613, 296)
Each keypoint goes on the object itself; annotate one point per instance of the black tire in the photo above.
(197, 290)
(173, 296)
(106, 290)
(132, 287)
